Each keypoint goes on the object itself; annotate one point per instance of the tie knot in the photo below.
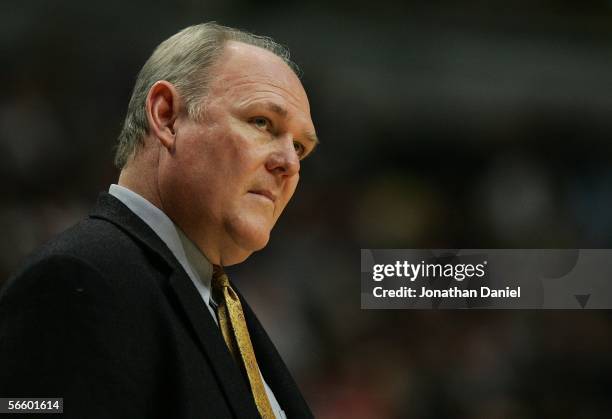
(219, 279)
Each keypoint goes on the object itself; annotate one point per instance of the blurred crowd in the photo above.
(463, 124)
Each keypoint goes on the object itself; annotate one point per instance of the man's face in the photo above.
(232, 173)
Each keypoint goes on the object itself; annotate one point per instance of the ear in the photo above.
(162, 106)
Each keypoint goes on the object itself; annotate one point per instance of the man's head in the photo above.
(215, 132)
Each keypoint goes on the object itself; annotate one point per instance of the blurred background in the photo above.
(443, 124)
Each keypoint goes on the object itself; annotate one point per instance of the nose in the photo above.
(284, 161)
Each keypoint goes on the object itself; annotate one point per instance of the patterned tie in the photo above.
(236, 336)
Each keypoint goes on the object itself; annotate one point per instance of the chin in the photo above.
(247, 238)
(241, 253)
(254, 241)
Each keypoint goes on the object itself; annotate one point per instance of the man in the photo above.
(118, 315)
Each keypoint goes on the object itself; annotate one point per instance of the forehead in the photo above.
(246, 72)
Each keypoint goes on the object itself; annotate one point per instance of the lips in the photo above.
(265, 193)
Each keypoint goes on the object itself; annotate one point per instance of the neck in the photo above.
(140, 178)
(141, 175)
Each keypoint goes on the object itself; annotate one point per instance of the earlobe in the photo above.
(163, 106)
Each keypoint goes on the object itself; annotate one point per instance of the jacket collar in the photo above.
(111, 209)
(199, 320)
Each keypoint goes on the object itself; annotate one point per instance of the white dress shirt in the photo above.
(193, 261)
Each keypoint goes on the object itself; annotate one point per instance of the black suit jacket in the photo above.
(105, 317)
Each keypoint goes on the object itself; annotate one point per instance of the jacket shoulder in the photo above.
(95, 241)
(99, 251)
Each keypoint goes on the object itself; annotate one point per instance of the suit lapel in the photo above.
(210, 340)
(200, 322)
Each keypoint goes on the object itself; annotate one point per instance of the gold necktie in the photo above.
(236, 336)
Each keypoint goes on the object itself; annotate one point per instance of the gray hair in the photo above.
(185, 60)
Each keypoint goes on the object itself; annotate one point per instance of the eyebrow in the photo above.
(276, 108)
(279, 110)
(312, 137)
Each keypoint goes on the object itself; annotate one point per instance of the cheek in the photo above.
(199, 169)
(219, 159)
(234, 151)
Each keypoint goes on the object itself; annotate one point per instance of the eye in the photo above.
(299, 148)
(261, 122)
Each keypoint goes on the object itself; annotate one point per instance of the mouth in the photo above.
(264, 193)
